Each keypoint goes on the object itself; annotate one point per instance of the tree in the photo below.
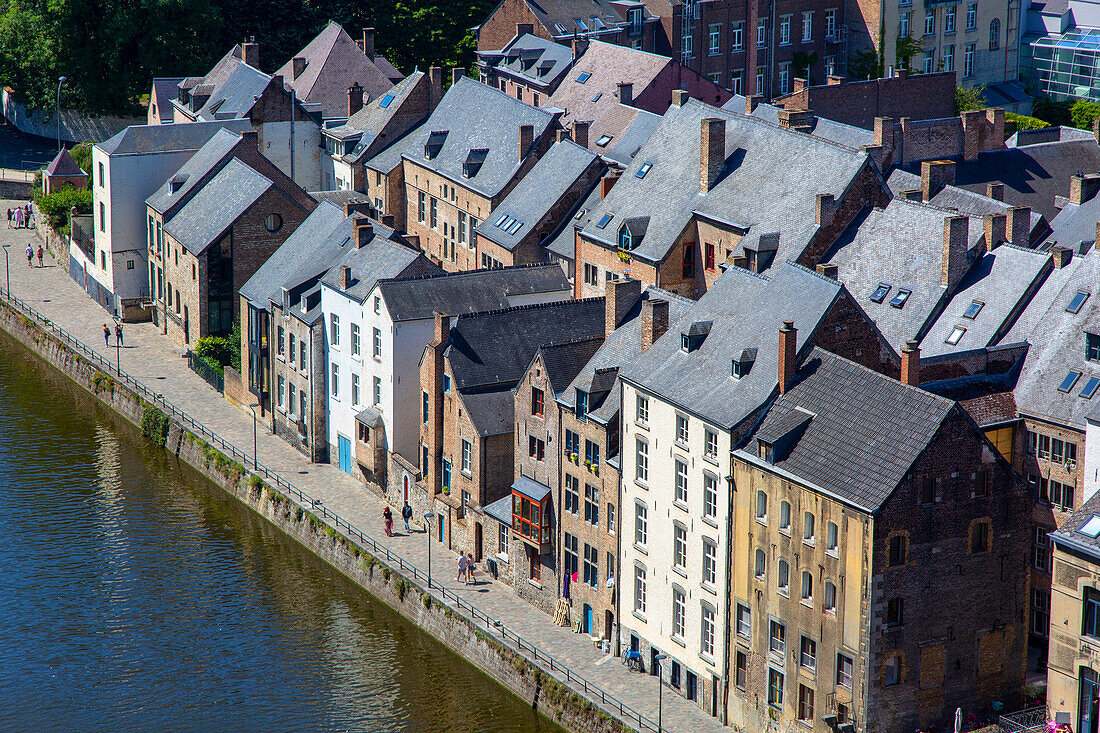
(82, 155)
(907, 47)
(1082, 114)
(967, 100)
(803, 63)
(864, 65)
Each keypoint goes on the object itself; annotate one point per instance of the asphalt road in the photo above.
(23, 152)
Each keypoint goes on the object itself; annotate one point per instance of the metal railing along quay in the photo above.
(517, 643)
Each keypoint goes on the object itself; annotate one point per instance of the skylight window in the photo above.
(386, 101)
(580, 24)
(603, 141)
(973, 309)
(880, 292)
(1069, 381)
(643, 170)
(898, 301)
(1090, 387)
(580, 214)
(560, 28)
(1078, 301)
(504, 222)
(956, 335)
(515, 226)
(604, 220)
(597, 97)
(1091, 528)
(598, 24)
(584, 77)
(500, 221)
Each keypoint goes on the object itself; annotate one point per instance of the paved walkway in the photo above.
(152, 359)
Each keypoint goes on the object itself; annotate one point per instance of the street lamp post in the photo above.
(7, 270)
(660, 688)
(428, 517)
(255, 441)
(118, 354)
(60, 80)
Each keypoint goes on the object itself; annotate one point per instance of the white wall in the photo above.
(1090, 473)
(275, 145)
(657, 494)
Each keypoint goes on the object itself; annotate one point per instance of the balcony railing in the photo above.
(1029, 720)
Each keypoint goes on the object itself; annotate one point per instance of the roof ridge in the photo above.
(868, 370)
(934, 207)
(815, 273)
(1010, 245)
(460, 273)
(528, 307)
(499, 92)
(733, 114)
(570, 342)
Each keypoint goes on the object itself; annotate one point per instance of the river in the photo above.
(137, 596)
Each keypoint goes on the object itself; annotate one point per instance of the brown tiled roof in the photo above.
(991, 409)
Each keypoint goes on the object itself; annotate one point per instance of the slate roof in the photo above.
(233, 87)
(563, 243)
(759, 189)
(747, 311)
(495, 347)
(530, 202)
(333, 62)
(566, 12)
(378, 126)
(902, 246)
(1057, 339)
(837, 132)
(537, 60)
(953, 198)
(315, 246)
(165, 89)
(530, 488)
(565, 360)
(1033, 175)
(64, 165)
(1075, 224)
(866, 429)
(991, 409)
(492, 413)
(1003, 280)
(630, 139)
(474, 291)
(389, 157)
(380, 258)
(1070, 535)
(475, 117)
(140, 139)
(191, 173)
(501, 510)
(214, 208)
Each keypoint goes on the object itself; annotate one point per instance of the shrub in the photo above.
(154, 424)
(1023, 122)
(215, 351)
(967, 100)
(1082, 114)
(56, 206)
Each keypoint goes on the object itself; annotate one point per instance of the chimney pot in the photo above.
(910, 363)
(654, 321)
(345, 276)
(712, 151)
(788, 339)
(580, 132)
(368, 43)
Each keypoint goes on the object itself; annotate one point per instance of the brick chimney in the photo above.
(435, 84)
(345, 276)
(835, 80)
(797, 84)
(250, 53)
(355, 206)
(298, 65)
(910, 363)
(934, 175)
(824, 209)
(956, 232)
(995, 191)
(607, 182)
(561, 135)
(526, 137)
(368, 43)
(712, 151)
(1061, 256)
(579, 46)
(829, 269)
(680, 97)
(788, 340)
(1019, 225)
(355, 98)
(626, 93)
(442, 329)
(884, 132)
(456, 74)
(752, 101)
(620, 297)
(996, 230)
(654, 321)
(388, 220)
(251, 138)
(580, 132)
(522, 28)
(364, 232)
(1083, 188)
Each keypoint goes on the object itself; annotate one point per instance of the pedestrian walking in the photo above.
(19, 218)
(106, 335)
(118, 333)
(406, 514)
(461, 568)
(30, 256)
(10, 215)
(387, 519)
(40, 253)
(470, 565)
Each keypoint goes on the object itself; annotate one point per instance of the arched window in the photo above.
(994, 34)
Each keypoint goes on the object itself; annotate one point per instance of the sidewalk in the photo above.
(153, 360)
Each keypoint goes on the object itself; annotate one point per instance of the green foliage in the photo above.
(82, 155)
(864, 65)
(907, 47)
(1048, 110)
(216, 351)
(102, 383)
(967, 100)
(56, 206)
(802, 64)
(1082, 114)
(235, 345)
(154, 424)
(1023, 122)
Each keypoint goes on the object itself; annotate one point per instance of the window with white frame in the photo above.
(971, 16)
(681, 481)
(336, 380)
(807, 586)
(377, 391)
(679, 546)
(679, 611)
(710, 562)
(641, 409)
(949, 19)
(681, 429)
(929, 63)
(930, 22)
(807, 26)
(784, 30)
(785, 516)
(785, 77)
(831, 537)
(737, 35)
(467, 454)
(808, 528)
(762, 507)
(377, 344)
(710, 496)
(714, 35)
(641, 524)
(355, 339)
(903, 24)
(639, 589)
(761, 34)
(706, 631)
(968, 60)
(354, 389)
(710, 443)
(949, 65)
(830, 23)
(641, 465)
(744, 621)
(760, 569)
(828, 603)
(334, 330)
(783, 581)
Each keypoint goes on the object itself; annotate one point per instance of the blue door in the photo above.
(440, 527)
(588, 619)
(345, 453)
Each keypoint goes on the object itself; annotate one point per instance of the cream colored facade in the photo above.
(1073, 654)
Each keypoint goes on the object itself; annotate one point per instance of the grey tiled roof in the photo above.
(1003, 280)
(64, 165)
(501, 510)
(1075, 223)
(378, 126)
(760, 190)
(461, 293)
(564, 360)
(165, 89)
(379, 258)
(536, 59)
(537, 193)
(333, 62)
(1057, 340)
(563, 244)
(213, 209)
(902, 246)
(866, 429)
(492, 413)
(1070, 535)
(954, 198)
(236, 94)
(530, 488)
(630, 139)
(191, 173)
(838, 132)
(389, 157)
(475, 117)
(747, 311)
(138, 139)
(549, 12)
(495, 348)
(317, 244)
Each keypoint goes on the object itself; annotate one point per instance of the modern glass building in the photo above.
(1067, 65)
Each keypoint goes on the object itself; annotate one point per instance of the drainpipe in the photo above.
(723, 703)
(771, 48)
(293, 104)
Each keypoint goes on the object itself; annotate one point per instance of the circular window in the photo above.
(273, 222)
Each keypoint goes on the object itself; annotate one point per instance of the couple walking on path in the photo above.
(30, 255)
(466, 567)
(107, 334)
(387, 518)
